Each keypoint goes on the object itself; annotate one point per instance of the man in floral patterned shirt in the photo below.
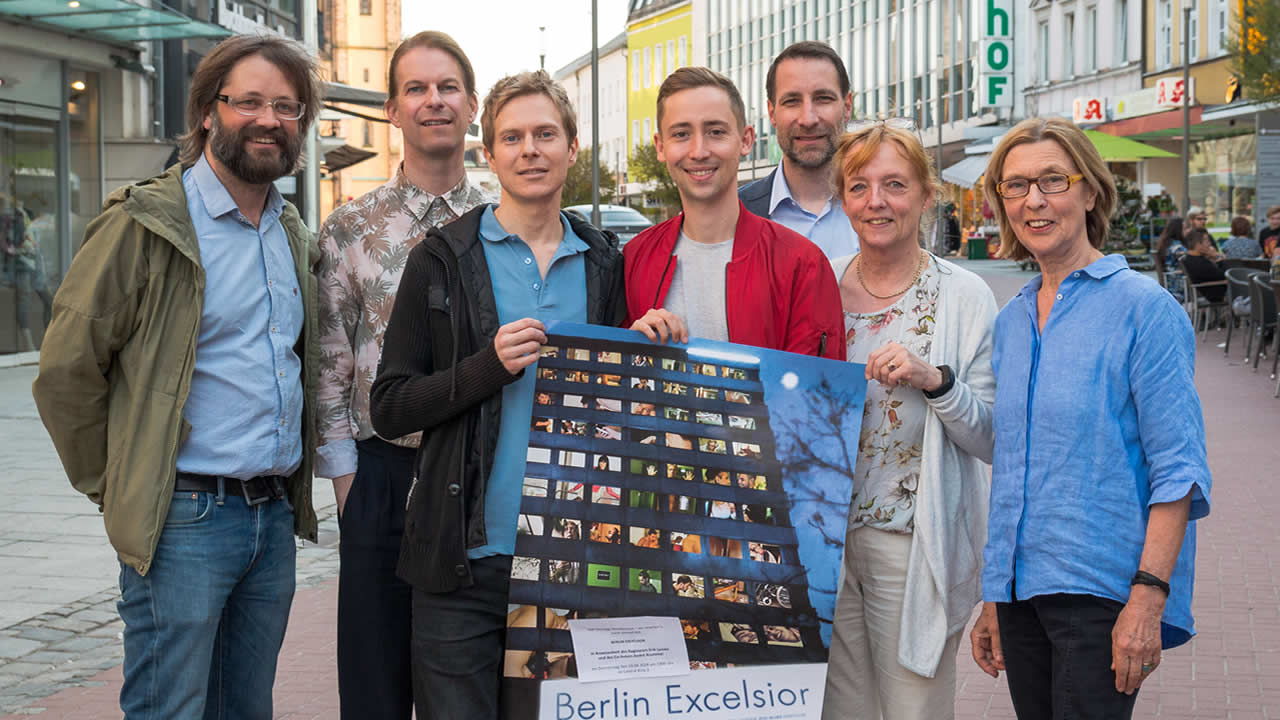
(432, 100)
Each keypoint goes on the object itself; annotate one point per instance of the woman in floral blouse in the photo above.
(918, 515)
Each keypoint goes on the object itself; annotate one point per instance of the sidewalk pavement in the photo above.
(60, 648)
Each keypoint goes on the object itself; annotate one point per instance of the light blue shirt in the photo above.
(245, 404)
(1096, 419)
(522, 292)
(829, 230)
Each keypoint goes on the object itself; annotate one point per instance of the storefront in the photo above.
(50, 184)
(74, 89)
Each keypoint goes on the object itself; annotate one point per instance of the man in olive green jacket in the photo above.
(176, 382)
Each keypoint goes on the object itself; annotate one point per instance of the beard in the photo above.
(812, 158)
(228, 146)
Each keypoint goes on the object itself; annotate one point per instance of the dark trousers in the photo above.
(459, 639)
(375, 606)
(1057, 655)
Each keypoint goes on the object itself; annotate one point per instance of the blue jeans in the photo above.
(204, 626)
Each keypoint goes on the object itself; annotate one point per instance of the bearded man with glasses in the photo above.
(176, 383)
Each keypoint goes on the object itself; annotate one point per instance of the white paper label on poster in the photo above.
(629, 647)
(775, 692)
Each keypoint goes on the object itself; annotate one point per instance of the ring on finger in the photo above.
(1148, 667)
(892, 366)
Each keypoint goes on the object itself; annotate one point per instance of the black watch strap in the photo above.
(1145, 578)
(948, 381)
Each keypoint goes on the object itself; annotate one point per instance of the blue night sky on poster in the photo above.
(815, 411)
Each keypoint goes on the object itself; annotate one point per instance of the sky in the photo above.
(501, 37)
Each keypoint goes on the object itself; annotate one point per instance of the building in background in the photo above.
(576, 79)
(662, 35)
(361, 149)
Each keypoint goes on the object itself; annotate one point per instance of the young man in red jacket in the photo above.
(715, 270)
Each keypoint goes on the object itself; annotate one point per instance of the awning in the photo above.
(1119, 149)
(339, 92)
(344, 156)
(967, 172)
(113, 21)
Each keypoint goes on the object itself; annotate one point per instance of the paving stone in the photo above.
(97, 617)
(12, 647)
(44, 634)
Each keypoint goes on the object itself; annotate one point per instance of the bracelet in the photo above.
(1145, 578)
(948, 381)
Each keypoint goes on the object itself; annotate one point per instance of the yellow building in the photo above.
(659, 40)
(359, 36)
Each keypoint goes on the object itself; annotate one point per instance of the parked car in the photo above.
(625, 222)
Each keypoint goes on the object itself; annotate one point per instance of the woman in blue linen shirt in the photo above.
(1099, 469)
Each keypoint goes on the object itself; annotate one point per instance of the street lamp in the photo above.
(595, 118)
(1187, 6)
(542, 47)
(939, 240)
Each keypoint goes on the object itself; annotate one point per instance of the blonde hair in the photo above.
(526, 83)
(1083, 154)
(858, 147)
(290, 56)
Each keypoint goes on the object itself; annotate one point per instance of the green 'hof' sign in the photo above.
(996, 62)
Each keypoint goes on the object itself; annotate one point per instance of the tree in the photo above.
(1255, 49)
(646, 166)
(577, 185)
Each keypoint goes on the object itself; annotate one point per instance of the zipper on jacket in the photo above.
(822, 345)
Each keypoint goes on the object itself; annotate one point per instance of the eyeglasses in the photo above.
(256, 106)
(901, 123)
(1050, 184)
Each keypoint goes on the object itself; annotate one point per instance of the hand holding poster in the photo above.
(708, 483)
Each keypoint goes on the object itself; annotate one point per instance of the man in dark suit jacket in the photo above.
(809, 105)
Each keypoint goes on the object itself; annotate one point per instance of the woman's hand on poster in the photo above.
(893, 364)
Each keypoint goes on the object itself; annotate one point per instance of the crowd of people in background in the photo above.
(192, 388)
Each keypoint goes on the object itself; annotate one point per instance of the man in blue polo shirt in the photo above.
(469, 317)
(809, 104)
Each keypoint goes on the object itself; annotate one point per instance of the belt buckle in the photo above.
(244, 489)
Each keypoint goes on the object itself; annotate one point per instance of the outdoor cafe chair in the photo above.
(1237, 287)
(1262, 309)
(1197, 304)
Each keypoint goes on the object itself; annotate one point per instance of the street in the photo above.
(60, 648)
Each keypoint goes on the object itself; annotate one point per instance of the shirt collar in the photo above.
(1103, 267)
(782, 192)
(218, 202)
(492, 231)
(418, 201)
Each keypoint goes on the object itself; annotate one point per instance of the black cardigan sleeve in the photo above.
(410, 394)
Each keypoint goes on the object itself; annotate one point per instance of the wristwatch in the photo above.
(948, 380)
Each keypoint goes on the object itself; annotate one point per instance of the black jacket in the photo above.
(755, 195)
(439, 373)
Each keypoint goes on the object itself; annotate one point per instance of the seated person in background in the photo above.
(1269, 238)
(1240, 244)
(1201, 265)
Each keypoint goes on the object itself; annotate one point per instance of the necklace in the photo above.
(914, 279)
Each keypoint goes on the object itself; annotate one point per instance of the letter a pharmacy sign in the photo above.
(996, 62)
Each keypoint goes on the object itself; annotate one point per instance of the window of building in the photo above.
(648, 130)
(1069, 40)
(682, 57)
(636, 140)
(1043, 52)
(1219, 26)
(636, 66)
(1164, 34)
(648, 65)
(366, 74)
(1090, 38)
(368, 134)
(1122, 33)
(366, 7)
(657, 64)
(671, 57)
